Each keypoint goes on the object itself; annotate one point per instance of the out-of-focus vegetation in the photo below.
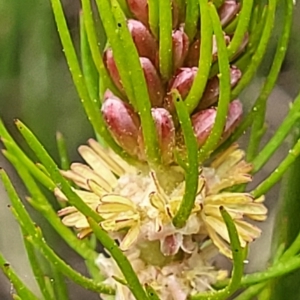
(35, 84)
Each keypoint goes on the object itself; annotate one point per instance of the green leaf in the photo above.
(37, 268)
(277, 174)
(260, 106)
(281, 133)
(165, 39)
(153, 6)
(241, 29)
(54, 172)
(41, 204)
(35, 237)
(259, 54)
(224, 78)
(93, 45)
(19, 286)
(205, 58)
(238, 254)
(191, 175)
(62, 150)
(191, 18)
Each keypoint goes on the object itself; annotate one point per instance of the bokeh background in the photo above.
(36, 87)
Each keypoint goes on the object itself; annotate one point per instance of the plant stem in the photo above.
(191, 176)
(224, 78)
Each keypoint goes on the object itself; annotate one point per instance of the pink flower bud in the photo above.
(112, 69)
(234, 117)
(192, 59)
(182, 82)
(203, 122)
(180, 48)
(211, 93)
(154, 84)
(144, 41)
(140, 10)
(165, 132)
(228, 11)
(123, 124)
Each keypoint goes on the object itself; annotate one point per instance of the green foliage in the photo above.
(91, 78)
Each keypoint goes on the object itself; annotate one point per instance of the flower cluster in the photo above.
(138, 213)
(121, 118)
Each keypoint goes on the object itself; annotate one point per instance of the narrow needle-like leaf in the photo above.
(191, 176)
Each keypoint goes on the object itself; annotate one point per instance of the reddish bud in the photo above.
(234, 117)
(180, 48)
(182, 82)
(228, 11)
(203, 122)
(192, 59)
(154, 84)
(211, 93)
(140, 10)
(143, 40)
(112, 69)
(123, 124)
(165, 132)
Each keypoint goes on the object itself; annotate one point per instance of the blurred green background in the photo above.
(36, 87)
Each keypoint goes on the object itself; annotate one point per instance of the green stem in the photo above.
(205, 59)
(238, 254)
(241, 29)
(59, 284)
(62, 150)
(278, 173)
(54, 171)
(36, 268)
(281, 133)
(191, 18)
(191, 176)
(19, 286)
(224, 78)
(258, 56)
(119, 257)
(261, 102)
(89, 70)
(94, 45)
(277, 270)
(40, 203)
(12, 147)
(34, 236)
(251, 292)
(165, 39)
(154, 17)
